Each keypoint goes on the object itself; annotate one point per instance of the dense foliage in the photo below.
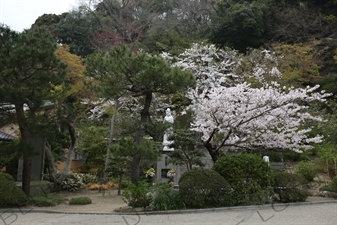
(186, 151)
(200, 188)
(137, 195)
(10, 194)
(250, 177)
(166, 198)
(244, 99)
(290, 187)
(307, 169)
(331, 186)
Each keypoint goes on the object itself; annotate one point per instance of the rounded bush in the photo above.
(10, 194)
(201, 188)
(73, 182)
(290, 187)
(307, 169)
(250, 177)
(80, 201)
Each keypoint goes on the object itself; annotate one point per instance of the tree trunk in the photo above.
(214, 153)
(135, 163)
(51, 161)
(107, 157)
(120, 178)
(27, 158)
(327, 167)
(52, 168)
(335, 162)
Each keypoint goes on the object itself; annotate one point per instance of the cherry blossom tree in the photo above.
(232, 113)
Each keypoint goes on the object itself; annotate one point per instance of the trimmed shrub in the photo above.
(46, 200)
(290, 187)
(202, 188)
(80, 201)
(166, 198)
(307, 169)
(10, 194)
(137, 196)
(248, 175)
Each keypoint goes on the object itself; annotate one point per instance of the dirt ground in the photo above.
(110, 202)
(101, 203)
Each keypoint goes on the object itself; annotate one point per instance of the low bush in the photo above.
(80, 201)
(307, 169)
(248, 175)
(88, 178)
(10, 194)
(137, 196)
(293, 195)
(46, 200)
(202, 188)
(332, 186)
(98, 186)
(166, 198)
(73, 182)
(290, 187)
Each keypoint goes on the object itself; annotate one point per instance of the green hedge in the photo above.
(80, 201)
(202, 188)
(10, 194)
(290, 187)
(248, 175)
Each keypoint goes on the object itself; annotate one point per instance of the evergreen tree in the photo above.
(121, 72)
(29, 72)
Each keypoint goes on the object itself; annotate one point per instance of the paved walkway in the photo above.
(317, 213)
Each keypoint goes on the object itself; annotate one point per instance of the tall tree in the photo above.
(233, 114)
(121, 72)
(69, 109)
(29, 71)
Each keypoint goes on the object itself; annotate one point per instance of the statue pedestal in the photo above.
(163, 167)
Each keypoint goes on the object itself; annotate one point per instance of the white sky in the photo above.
(21, 14)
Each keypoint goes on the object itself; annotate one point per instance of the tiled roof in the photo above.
(6, 137)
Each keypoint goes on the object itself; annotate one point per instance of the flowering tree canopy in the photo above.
(232, 114)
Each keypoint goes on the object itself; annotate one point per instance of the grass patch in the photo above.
(80, 201)
(46, 200)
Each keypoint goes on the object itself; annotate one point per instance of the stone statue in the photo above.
(266, 159)
(168, 132)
